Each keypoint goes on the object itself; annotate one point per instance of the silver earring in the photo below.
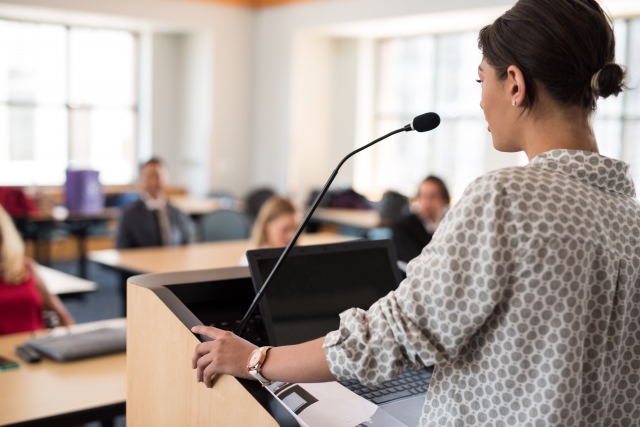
(513, 102)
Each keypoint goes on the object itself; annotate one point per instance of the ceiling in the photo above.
(254, 3)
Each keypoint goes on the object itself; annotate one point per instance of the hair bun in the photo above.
(609, 80)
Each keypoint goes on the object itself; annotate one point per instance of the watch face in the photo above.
(255, 358)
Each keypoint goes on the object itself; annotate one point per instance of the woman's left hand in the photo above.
(226, 354)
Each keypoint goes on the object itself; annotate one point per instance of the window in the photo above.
(67, 99)
(438, 73)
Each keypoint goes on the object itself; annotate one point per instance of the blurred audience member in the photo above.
(23, 295)
(275, 226)
(414, 232)
(255, 200)
(393, 207)
(16, 202)
(152, 220)
(19, 206)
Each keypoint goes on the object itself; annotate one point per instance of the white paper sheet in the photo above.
(323, 404)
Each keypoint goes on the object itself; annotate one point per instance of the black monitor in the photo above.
(317, 283)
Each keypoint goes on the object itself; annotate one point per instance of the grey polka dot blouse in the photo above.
(526, 302)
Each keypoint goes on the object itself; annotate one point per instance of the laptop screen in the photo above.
(317, 283)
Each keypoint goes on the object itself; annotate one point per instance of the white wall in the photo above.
(164, 97)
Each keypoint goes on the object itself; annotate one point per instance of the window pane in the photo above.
(406, 77)
(457, 90)
(613, 106)
(102, 67)
(46, 162)
(399, 164)
(33, 63)
(609, 136)
(104, 139)
(458, 155)
(43, 69)
(632, 149)
(21, 133)
(633, 60)
(416, 75)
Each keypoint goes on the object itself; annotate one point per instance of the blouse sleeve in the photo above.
(451, 290)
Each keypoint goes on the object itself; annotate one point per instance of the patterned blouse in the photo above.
(526, 302)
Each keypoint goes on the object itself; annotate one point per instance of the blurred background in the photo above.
(234, 97)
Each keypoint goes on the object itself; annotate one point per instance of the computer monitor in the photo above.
(317, 283)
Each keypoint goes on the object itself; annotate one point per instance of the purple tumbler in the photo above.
(83, 192)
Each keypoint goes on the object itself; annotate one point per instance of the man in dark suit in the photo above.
(414, 232)
(152, 220)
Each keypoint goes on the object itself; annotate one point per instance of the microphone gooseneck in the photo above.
(422, 123)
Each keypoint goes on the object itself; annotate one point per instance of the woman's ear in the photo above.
(515, 86)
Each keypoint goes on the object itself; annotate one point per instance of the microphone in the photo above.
(423, 123)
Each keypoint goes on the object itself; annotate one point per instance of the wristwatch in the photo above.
(255, 362)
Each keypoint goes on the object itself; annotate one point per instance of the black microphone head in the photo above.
(426, 122)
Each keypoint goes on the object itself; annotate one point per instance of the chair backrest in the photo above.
(393, 207)
(224, 225)
(256, 199)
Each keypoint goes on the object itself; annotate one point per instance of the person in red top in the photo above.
(23, 294)
(17, 203)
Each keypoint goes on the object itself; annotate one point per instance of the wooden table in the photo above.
(60, 283)
(360, 219)
(62, 394)
(198, 256)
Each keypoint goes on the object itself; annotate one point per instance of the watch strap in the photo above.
(256, 372)
(262, 380)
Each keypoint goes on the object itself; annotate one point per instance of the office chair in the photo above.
(224, 225)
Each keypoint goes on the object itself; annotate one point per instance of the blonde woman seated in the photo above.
(23, 294)
(275, 226)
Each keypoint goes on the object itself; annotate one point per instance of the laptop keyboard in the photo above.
(408, 383)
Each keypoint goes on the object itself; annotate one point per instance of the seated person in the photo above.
(19, 206)
(275, 226)
(152, 220)
(23, 295)
(414, 232)
(17, 203)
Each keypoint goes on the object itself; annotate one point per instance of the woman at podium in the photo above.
(527, 299)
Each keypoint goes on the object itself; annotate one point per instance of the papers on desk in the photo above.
(60, 283)
(328, 405)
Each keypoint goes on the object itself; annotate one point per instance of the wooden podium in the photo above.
(161, 386)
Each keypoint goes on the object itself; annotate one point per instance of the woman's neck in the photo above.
(557, 129)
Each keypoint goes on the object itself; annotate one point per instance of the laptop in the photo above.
(316, 284)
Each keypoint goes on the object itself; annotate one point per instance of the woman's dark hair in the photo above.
(567, 46)
(444, 191)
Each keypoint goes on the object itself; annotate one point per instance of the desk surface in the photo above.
(48, 388)
(199, 256)
(60, 283)
(349, 217)
(74, 216)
